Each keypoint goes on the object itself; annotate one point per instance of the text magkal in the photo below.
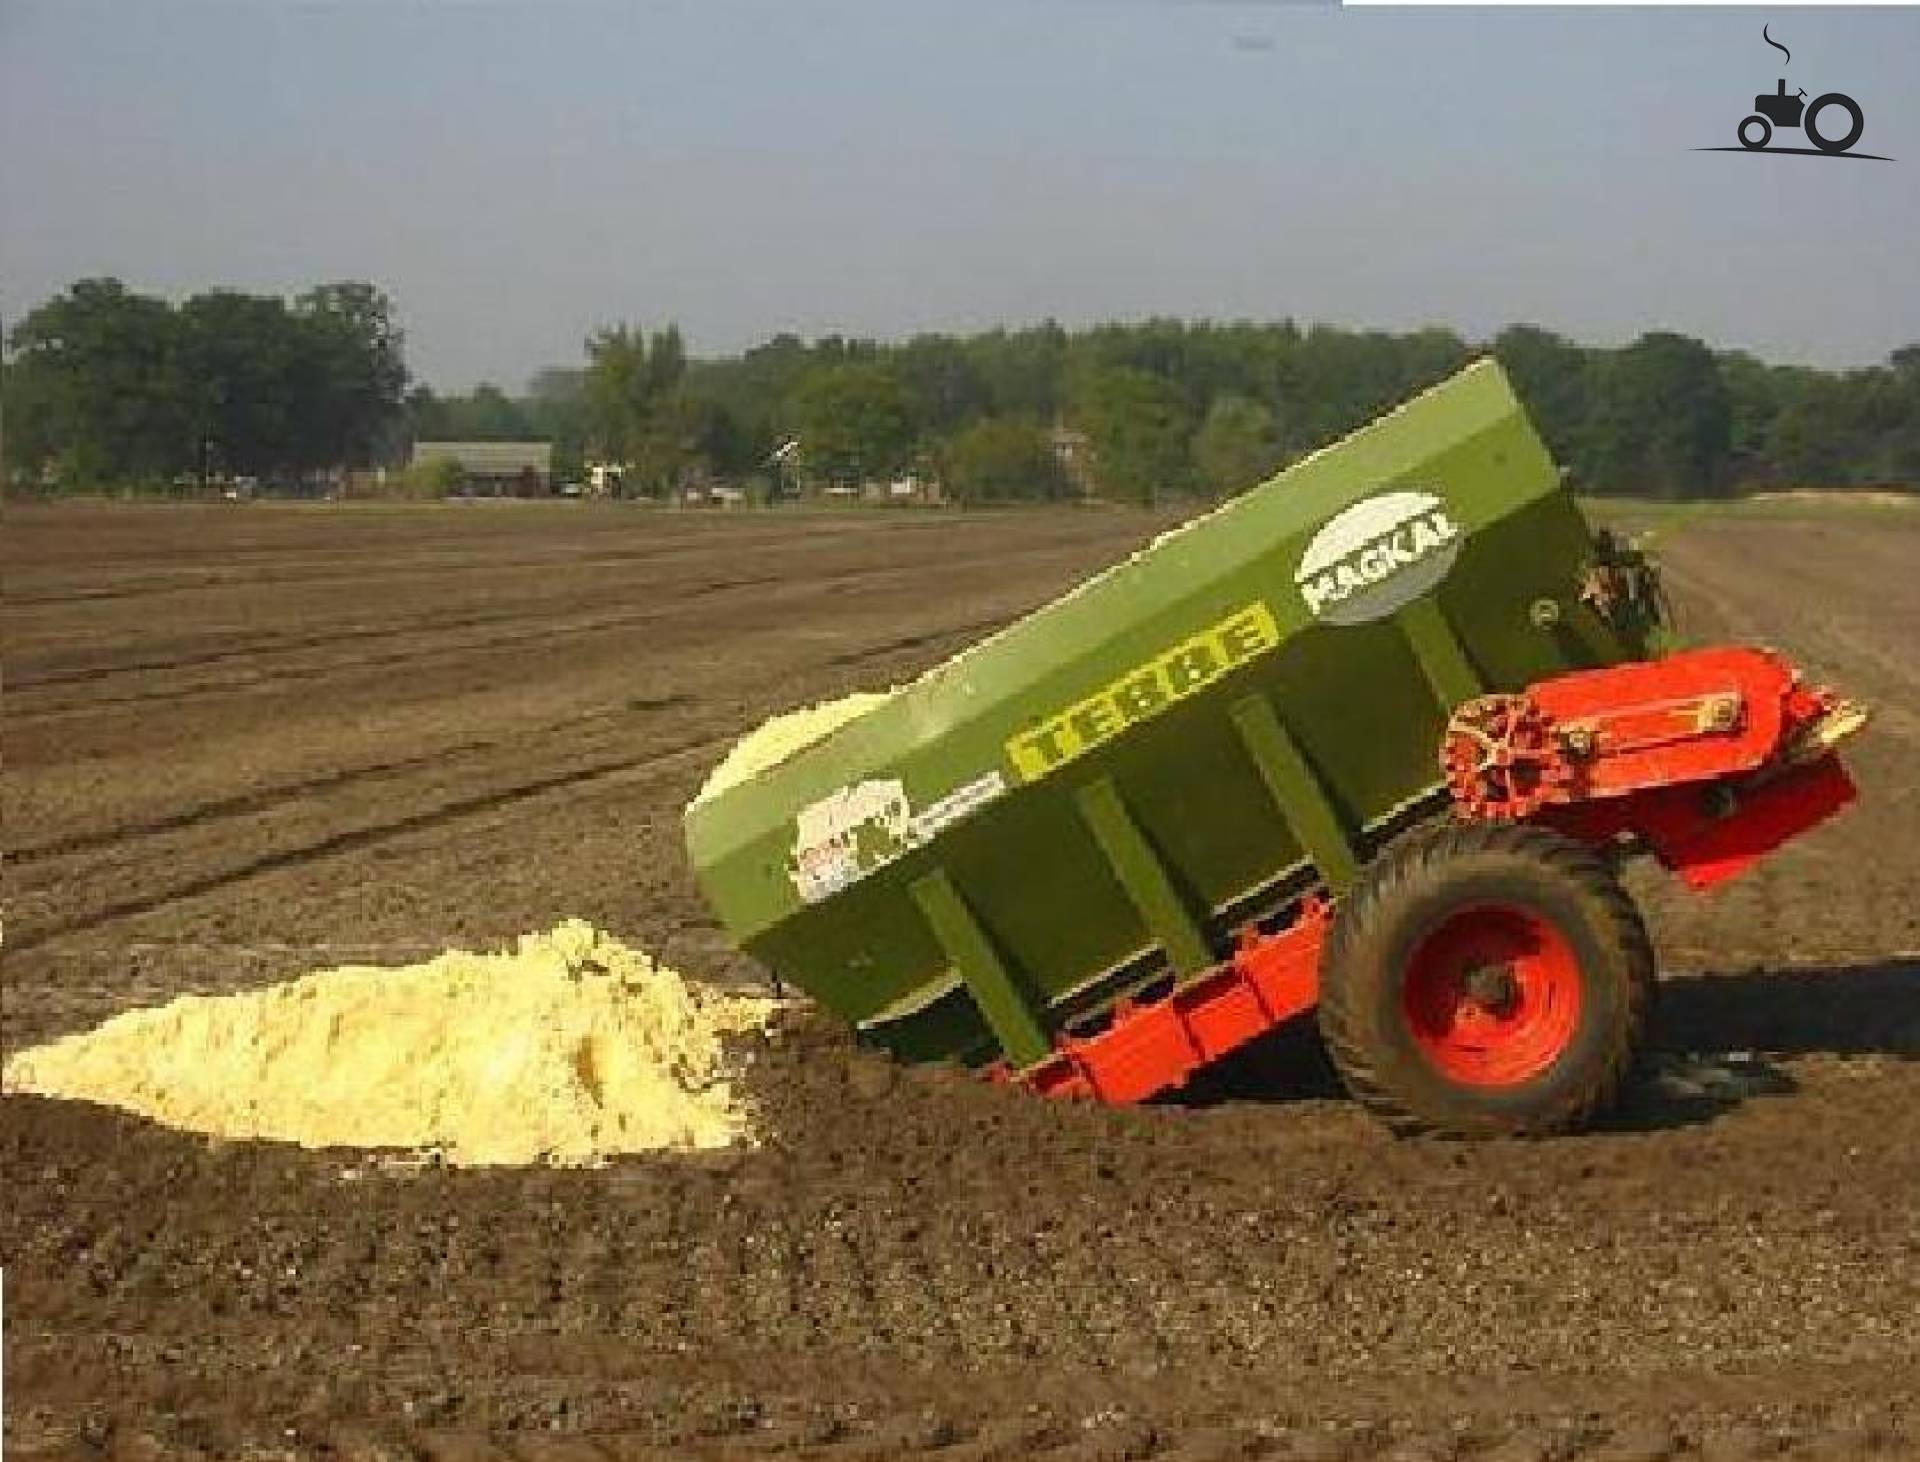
(1379, 559)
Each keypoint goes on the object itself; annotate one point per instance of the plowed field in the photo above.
(245, 741)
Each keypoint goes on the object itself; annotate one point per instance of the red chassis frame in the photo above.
(1709, 759)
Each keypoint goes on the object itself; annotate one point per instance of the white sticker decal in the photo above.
(849, 833)
(1377, 555)
(961, 802)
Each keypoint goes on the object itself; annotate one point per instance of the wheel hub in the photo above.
(1492, 995)
(1494, 988)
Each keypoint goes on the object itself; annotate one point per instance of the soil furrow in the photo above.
(354, 839)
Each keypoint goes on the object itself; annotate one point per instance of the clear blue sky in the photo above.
(514, 174)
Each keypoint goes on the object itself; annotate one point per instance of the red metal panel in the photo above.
(1231, 1015)
(1706, 843)
(1693, 716)
(1769, 815)
(1156, 1046)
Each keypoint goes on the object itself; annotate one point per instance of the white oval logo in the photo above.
(1371, 558)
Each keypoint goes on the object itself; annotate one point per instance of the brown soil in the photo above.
(246, 741)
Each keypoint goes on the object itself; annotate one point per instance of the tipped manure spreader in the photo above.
(1370, 740)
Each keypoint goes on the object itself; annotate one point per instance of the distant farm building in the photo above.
(1074, 452)
(494, 469)
(911, 487)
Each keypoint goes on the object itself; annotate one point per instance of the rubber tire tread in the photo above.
(1361, 971)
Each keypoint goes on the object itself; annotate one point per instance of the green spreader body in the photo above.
(1095, 799)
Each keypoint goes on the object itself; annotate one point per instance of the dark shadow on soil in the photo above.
(1847, 1010)
(1709, 1047)
(1288, 1065)
(1677, 1090)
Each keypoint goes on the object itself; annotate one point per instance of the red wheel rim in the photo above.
(1492, 995)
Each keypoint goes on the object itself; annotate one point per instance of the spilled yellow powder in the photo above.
(568, 1049)
(774, 741)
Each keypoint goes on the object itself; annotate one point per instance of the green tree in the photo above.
(1806, 443)
(1752, 404)
(1902, 445)
(670, 445)
(666, 360)
(617, 390)
(1661, 423)
(853, 422)
(1237, 445)
(28, 426)
(126, 388)
(240, 356)
(1021, 371)
(100, 368)
(1003, 459)
(942, 387)
(431, 480)
(485, 414)
(634, 409)
(1552, 376)
(489, 415)
(555, 410)
(353, 375)
(1137, 425)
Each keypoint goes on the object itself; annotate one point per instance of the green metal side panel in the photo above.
(1140, 870)
(1358, 595)
(1297, 791)
(1011, 1011)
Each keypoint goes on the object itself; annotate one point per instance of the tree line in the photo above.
(102, 385)
(1168, 408)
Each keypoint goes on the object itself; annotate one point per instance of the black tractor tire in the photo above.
(1766, 133)
(1451, 888)
(1846, 104)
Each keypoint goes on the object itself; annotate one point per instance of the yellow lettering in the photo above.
(1139, 696)
(1145, 691)
(1248, 633)
(1190, 667)
(1093, 721)
(1039, 751)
